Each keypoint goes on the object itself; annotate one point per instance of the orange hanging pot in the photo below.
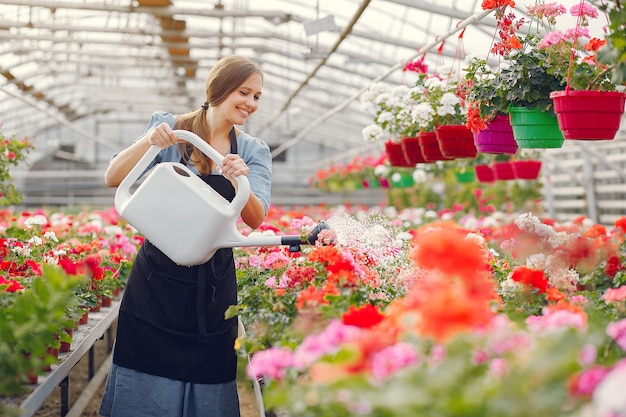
(456, 141)
(588, 115)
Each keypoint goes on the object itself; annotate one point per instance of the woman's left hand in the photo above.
(233, 166)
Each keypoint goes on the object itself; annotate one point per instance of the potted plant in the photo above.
(391, 111)
(394, 121)
(487, 108)
(448, 117)
(521, 85)
(588, 108)
(441, 110)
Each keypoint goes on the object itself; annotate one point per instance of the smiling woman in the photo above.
(181, 308)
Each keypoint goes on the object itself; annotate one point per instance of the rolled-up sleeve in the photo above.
(256, 154)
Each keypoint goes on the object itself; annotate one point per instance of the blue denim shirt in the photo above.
(254, 152)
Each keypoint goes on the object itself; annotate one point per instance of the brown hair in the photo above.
(228, 74)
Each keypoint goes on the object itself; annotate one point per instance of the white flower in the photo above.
(37, 219)
(419, 176)
(50, 235)
(21, 250)
(372, 133)
(423, 114)
(381, 170)
(35, 240)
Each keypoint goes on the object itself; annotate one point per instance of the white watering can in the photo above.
(185, 217)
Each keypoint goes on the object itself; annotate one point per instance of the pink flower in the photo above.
(271, 282)
(498, 367)
(391, 359)
(254, 261)
(583, 9)
(271, 363)
(548, 10)
(575, 33)
(300, 223)
(552, 38)
(586, 382)
(556, 319)
(275, 260)
(617, 330)
(588, 355)
(328, 341)
(614, 295)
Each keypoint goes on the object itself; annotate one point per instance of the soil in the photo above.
(79, 378)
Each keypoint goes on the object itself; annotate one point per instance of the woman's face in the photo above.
(243, 101)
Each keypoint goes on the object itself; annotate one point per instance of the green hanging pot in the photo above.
(465, 176)
(533, 128)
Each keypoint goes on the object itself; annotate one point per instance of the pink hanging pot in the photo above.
(497, 138)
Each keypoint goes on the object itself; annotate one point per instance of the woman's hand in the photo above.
(232, 166)
(163, 136)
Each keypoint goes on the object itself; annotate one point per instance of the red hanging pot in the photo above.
(412, 150)
(484, 173)
(430, 147)
(503, 170)
(396, 154)
(497, 137)
(588, 115)
(526, 169)
(456, 141)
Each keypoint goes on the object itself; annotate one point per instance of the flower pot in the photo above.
(396, 154)
(430, 147)
(526, 169)
(456, 141)
(503, 170)
(484, 173)
(535, 129)
(497, 137)
(402, 179)
(412, 151)
(588, 115)
(65, 346)
(84, 318)
(465, 176)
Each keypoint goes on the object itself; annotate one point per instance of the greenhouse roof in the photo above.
(83, 64)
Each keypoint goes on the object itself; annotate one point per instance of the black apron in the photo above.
(171, 321)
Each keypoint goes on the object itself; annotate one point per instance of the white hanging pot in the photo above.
(182, 215)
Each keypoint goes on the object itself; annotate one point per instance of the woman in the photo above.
(174, 351)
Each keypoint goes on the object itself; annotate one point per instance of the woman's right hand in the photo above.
(163, 136)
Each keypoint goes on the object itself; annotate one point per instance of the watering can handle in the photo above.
(243, 186)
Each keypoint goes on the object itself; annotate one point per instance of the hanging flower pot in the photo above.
(526, 169)
(412, 150)
(430, 147)
(534, 128)
(588, 115)
(396, 154)
(456, 141)
(484, 173)
(465, 176)
(503, 170)
(497, 137)
(402, 179)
